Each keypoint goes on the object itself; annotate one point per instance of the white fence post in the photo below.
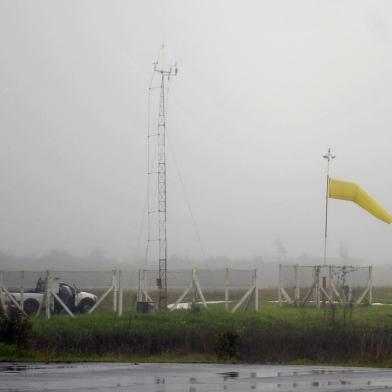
(195, 278)
(115, 289)
(227, 288)
(22, 289)
(370, 285)
(280, 285)
(139, 297)
(256, 291)
(317, 287)
(47, 295)
(330, 284)
(120, 295)
(2, 303)
(194, 288)
(296, 288)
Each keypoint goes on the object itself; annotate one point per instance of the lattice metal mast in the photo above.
(165, 74)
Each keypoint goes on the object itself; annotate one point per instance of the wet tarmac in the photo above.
(189, 378)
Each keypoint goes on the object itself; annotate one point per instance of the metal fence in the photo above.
(235, 289)
(49, 292)
(329, 284)
(44, 292)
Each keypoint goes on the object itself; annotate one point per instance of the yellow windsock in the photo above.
(344, 190)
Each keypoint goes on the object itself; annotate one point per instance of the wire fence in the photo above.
(328, 284)
(72, 292)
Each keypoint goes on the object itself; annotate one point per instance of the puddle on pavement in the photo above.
(190, 378)
(301, 384)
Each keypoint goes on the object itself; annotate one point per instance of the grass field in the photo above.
(280, 335)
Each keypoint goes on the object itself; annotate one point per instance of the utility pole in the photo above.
(160, 171)
(329, 157)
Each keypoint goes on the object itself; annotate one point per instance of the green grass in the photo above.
(9, 352)
(275, 335)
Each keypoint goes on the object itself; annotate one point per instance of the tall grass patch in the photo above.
(361, 335)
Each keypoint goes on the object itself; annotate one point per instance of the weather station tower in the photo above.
(157, 167)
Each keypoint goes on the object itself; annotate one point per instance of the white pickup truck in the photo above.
(75, 299)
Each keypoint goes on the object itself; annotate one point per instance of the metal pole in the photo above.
(328, 156)
(326, 220)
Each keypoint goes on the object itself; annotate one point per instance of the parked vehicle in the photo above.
(75, 299)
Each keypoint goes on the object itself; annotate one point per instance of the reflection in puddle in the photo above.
(230, 374)
(160, 384)
(13, 368)
(290, 379)
(310, 385)
(192, 380)
(160, 380)
(312, 372)
(17, 368)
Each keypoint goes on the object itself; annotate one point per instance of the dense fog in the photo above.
(264, 88)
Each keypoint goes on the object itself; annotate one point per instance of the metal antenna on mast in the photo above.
(160, 171)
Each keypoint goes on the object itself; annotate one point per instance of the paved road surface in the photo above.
(190, 378)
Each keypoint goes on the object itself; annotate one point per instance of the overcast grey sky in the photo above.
(264, 88)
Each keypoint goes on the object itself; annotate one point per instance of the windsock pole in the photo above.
(329, 157)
